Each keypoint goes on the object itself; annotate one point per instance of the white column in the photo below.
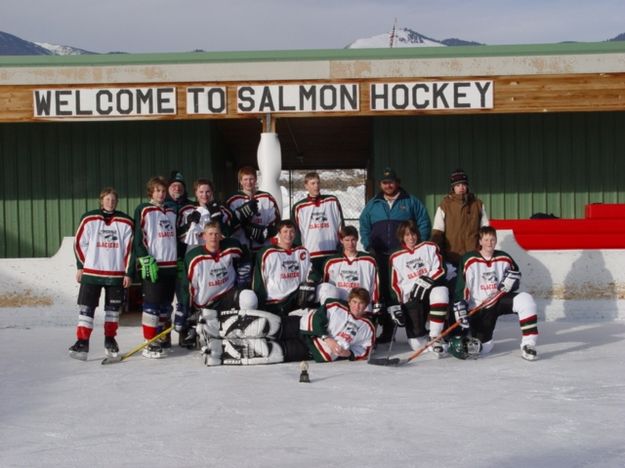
(269, 157)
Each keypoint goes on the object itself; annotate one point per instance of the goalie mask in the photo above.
(464, 347)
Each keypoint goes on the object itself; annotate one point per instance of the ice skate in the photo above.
(154, 351)
(110, 346)
(528, 352)
(79, 350)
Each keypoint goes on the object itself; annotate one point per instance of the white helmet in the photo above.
(248, 300)
(326, 291)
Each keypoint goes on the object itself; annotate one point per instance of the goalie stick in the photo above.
(400, 362)
(123, 357)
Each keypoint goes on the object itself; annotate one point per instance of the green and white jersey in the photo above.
(279, 272)
(103, 247)
(479, 278)
(318, 221)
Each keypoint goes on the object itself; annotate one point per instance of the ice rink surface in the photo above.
(565, 410)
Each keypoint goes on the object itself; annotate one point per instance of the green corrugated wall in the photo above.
(51, 173)
(517, 164)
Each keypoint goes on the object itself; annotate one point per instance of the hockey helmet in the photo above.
(464, 347)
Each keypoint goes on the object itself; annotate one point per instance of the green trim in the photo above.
(315, 55)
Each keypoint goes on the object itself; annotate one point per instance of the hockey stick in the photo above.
(123, 357)
(444, 333)
(387, 361)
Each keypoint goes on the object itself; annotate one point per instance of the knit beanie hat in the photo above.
(176, 176)
(458, 177)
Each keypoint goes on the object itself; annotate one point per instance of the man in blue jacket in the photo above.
(378, 227)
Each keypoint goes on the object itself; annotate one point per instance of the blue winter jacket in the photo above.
(379, 223)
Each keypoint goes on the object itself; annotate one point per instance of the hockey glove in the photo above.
(397, 315)
(377, 308)
(214, 211)
(306, 295)
(420, 288)
(247, 210)
(194, 217)
(510, 281)
(460, 312)
(256, 232)
(149, 268)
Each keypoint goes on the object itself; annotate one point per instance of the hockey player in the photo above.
(103, 247)
(417, 275)
(195, 215)
(256, 212)
(217, 273)
(352, 269)
(318, 219)
(483, 273)
(281, 274)
(155, 248)
(337, 330)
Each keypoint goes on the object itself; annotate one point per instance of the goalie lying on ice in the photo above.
(337, 330)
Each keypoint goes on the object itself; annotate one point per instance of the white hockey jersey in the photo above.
(479, 278)
(211, 276)
(407, 265)
(103, 247)
(279, 272)
(156, 234)
(357, 334)
(358, 272)
(318, 221)
(268, 215)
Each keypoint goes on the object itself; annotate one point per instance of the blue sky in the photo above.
(183, 25)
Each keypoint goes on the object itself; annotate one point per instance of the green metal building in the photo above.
(552, 141)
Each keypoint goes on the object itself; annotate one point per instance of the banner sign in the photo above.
(203, 101)
(318, 97)
(120, 103)
(436, 95)
(107, 102)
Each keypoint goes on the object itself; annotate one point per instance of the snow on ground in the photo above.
(565, 410)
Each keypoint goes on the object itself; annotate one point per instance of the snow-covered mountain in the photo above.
(404, 37)
(13, 45)
(63, 49)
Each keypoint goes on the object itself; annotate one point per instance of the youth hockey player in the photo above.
(256, 212)
(281, 274)
(155, 247)
(195, 215)
(318, 219)
(337, 330)
(352, 269)
(417, 275)
(217, 273)
(103, 247)
(481, 274)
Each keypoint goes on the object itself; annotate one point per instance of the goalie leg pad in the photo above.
(212, 352)
(252, 351)
(250, 324)
(209, 323)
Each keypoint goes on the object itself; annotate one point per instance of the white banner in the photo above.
(318, 97)
(434, 95)
(105, 102)
(211, 100)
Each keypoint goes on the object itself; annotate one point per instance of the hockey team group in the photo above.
(253, 288)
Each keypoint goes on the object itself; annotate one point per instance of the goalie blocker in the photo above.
(337, 330)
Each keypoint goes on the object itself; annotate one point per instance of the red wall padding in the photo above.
(572, 234)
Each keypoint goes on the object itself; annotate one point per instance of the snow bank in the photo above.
(569, 284)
